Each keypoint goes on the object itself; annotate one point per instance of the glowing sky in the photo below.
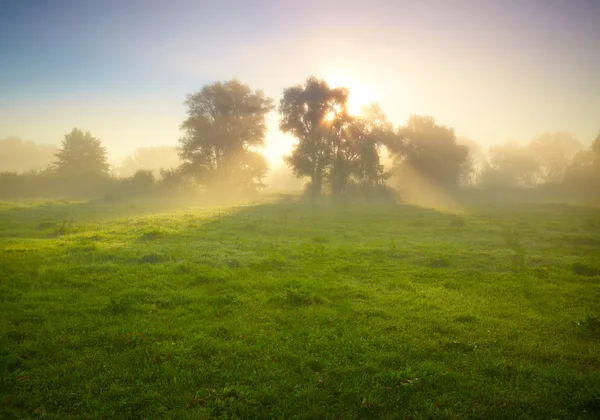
(493, 70)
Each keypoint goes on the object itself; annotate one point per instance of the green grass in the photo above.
(283, 309)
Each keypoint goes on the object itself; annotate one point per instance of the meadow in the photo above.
(281, 308)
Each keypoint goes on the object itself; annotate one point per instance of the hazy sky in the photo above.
(493, 70)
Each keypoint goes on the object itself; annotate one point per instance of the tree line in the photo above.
(335, 151)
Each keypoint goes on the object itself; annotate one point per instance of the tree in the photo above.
(223, 133)
(596, 146)
(150, 158)
(584, 168)
(308, 112)
(22, 156)
(554, 152)
(510, 165)
(333, 146)
(81, 154)
(430, 151)
(473, 165)
(356, 144)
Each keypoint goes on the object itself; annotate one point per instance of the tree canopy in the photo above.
(81, 154)
(307, 112)
(553, 152)
(149, 158)
(333, 146)
(223, 135)
(511, 165)
(429, 151)
(20, 156)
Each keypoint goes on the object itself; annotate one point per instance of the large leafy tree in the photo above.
(81, 154)
(429, 151)
(310, 112)
(333, 146)
(355, 148)
(223, 134)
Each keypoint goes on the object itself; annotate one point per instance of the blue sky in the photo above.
(493, 70)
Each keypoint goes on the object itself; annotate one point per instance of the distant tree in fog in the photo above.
(596, 146)
(429, 151)
(223, 133)
(510, 165)
(149, 158)
(17, 155)
(584, 169)
(554, 152)
(471, 170)
(81, 154)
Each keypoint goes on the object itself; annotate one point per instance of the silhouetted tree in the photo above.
(554, 152)
(333, 145)
(356, 141)
(223, 132)
(81, 154)
(17, 155)
(430, 151)
(310, 113)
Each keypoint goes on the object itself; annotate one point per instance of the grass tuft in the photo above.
(150, 259)
(439, 261)
(46, 225)
(150, 236)
(585, 269)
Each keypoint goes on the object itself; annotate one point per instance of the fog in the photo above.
(506, 94)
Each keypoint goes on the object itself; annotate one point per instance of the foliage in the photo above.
(553, 152)
(17, 155)
(333, 145)
(510, 165)
(51, 184)
(429, 151)
(143, 181)
(471, 169)
(223, 134)
(583, 172)
(308, 112)
(81, 154)
(356, 143)
(149, 158)
(175, 180)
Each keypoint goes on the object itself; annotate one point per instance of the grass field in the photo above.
(284, 309)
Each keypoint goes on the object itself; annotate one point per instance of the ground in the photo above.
(286, 309)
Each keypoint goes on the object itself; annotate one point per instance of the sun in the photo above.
(359, 95)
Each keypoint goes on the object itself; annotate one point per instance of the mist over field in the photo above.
(281, 209)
